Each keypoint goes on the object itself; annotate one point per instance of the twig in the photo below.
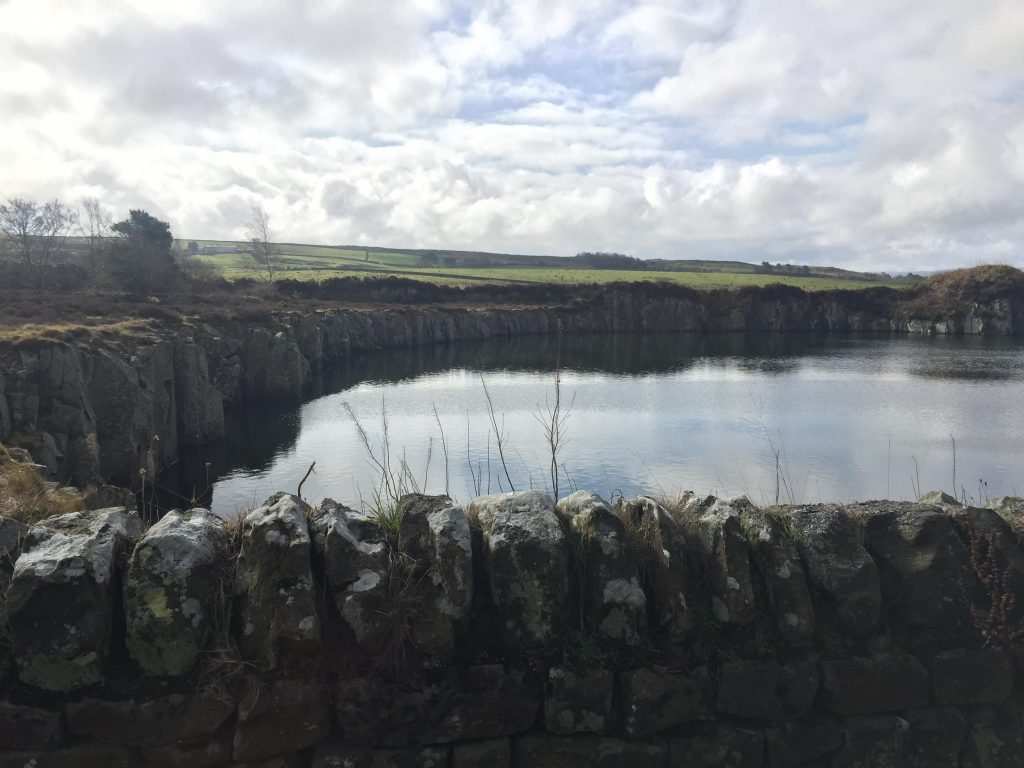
(304, 479)
(469, 460)
(444, 446)
(426, 469)
(953, 441)
(499, 438)
(888, 471)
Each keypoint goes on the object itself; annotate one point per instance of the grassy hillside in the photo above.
(312, 262)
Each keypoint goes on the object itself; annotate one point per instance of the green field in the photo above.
(313, 262)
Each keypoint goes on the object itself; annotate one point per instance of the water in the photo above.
(847, 418)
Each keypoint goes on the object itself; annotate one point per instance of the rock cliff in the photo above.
(123, 408)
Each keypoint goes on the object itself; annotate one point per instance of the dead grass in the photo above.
(65, 331)
(27, 497)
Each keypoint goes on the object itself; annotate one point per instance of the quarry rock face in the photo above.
(62, 597)
(275, 595)
(469, 649)
(105, 411)
(200, 405)
(527, 564)
(177, 578)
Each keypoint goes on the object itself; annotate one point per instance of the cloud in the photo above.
(883, 134)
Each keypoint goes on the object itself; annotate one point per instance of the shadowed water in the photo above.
(848, 418)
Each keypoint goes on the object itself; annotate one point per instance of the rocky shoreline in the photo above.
(517, 631)
(94, 411)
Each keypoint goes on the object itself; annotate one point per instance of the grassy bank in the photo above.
(318, 263)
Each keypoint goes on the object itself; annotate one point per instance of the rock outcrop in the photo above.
(93, 411)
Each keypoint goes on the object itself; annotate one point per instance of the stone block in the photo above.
(526, 558)
(982, 676)
(656, 700)
(587, 752)
(175, 578)
(76, 757)
(60, 602)
(339, 756)
(799, 743)
(176, 718)
(496, 753)
(720, 746)
(613, 604)
(280, 717)
(276, 601)
(873, 742)
(873, 685)
(995, 738)
(578, 702)
(839, 569)
(767, 690)
(925, 573)
(935, 738)
(23, 728)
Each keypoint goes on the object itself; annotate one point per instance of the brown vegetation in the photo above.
(26, 496)
(950, 292)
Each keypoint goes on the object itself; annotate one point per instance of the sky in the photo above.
(878, 134)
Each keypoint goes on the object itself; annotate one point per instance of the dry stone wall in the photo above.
(516, 631)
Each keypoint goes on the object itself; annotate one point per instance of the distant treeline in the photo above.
(612, 260)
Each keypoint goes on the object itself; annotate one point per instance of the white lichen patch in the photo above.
(275, 538)
(192, 609)
(624, 592)
(367, 580)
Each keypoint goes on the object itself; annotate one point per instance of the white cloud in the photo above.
(888, 133)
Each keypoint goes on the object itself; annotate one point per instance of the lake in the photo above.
(794, 418)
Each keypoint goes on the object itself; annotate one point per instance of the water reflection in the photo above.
(847, 416)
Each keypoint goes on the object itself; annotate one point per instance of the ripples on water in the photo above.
(655, 414)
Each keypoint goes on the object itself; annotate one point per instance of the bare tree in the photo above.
(95, 226)
(19, 223)
(260, 238)
(58, 222)
(37, 234)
